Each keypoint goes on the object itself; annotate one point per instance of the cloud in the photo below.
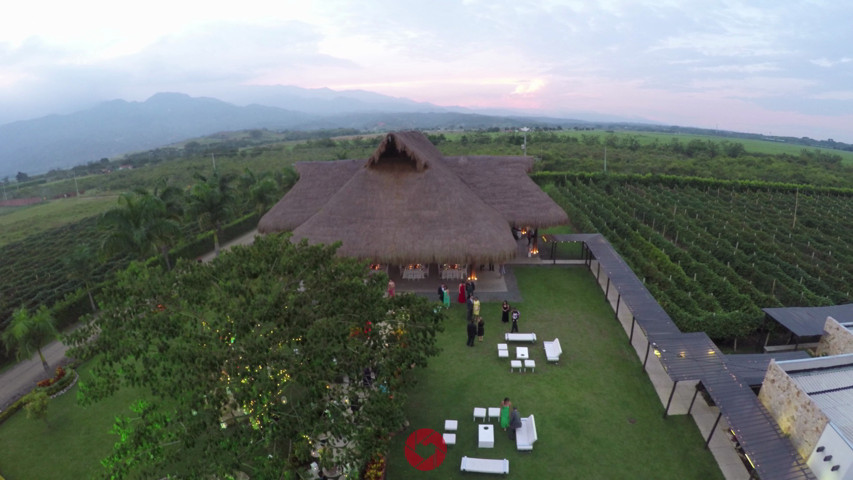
(827, 63)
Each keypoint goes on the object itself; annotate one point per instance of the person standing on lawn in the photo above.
(476, 306)
(505, 309)
(472, 332)
(515, 316)
(505, 406)
(481, 328)
(446, 297)
(514, 423)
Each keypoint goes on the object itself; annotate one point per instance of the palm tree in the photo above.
(141, 225)
(211, 202)
(80, 265)
(27, 333)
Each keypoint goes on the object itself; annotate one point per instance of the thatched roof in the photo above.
(318, 181)
(503, 183)
(408, 203)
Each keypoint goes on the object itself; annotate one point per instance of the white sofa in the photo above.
(520, 337)
(525, 436)
(485, 465)
(553, 350)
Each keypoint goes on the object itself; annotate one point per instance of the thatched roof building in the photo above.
(408, 203)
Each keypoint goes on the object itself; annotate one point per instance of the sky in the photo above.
(775, 67)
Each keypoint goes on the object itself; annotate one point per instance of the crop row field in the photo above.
(715, 253)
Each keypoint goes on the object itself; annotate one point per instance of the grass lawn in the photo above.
(71, 443)
(18, 223)
(597, 415)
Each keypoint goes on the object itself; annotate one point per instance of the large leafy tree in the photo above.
(28, 332)
(253, 357)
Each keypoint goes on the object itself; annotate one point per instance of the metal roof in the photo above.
(832, 389)
(751, 367)
(693, 356)
(809, 321)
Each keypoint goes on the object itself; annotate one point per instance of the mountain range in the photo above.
(117, 127)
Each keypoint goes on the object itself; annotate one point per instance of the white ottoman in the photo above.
(513, 364)
(450, 425)
(479, 413)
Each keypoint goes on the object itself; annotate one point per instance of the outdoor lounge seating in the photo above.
(520, 337)
(479, 412)
(449, 438)
(485, 465)
(513, 364)
(503, 351)
(553, 350)
(525, 436)
(531, 364)
(494, 412)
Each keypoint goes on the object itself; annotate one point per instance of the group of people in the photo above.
(510, 418)
(509, 313)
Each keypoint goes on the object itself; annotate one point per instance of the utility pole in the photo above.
(524, 145)
(213, 159)
(605, 159)
(75, 185)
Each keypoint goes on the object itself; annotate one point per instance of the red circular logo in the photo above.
(425, 436)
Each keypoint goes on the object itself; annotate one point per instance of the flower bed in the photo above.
(375, 469)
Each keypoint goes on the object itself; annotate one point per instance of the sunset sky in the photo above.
(774, 67)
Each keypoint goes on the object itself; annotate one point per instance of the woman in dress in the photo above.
(461, 297)
(505, 312)
(505, 406)
(446, 296)
(481, 328)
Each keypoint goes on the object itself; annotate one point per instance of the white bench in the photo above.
(525, 436)
(503, 351)
(520, 337)
(485, 465)
(553, 350)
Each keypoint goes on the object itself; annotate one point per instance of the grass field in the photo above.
(597, 414)
(70, 444)
(18, 223)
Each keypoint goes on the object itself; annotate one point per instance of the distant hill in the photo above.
(119, 127)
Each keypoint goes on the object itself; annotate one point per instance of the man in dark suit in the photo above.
(472, 332)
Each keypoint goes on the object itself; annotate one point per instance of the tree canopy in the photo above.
(252, 358)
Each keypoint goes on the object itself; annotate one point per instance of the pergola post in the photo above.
(708, 442)
(554, 253)
(669, 402)
(631, 336)
(618, 299)
(607, 289)
(598, 272)
(695, 393)
(646, 359)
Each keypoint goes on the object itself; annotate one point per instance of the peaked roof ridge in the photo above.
(413, 144)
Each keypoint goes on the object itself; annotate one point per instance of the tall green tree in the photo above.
(211, 202)
(28, 332)
(253, 357)
(141, 225)
(80, 265)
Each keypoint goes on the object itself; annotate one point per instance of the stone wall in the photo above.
(836, 339)
(796, 413)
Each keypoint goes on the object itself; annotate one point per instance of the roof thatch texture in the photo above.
(503, 183)
(407, 206)
(318, 181)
